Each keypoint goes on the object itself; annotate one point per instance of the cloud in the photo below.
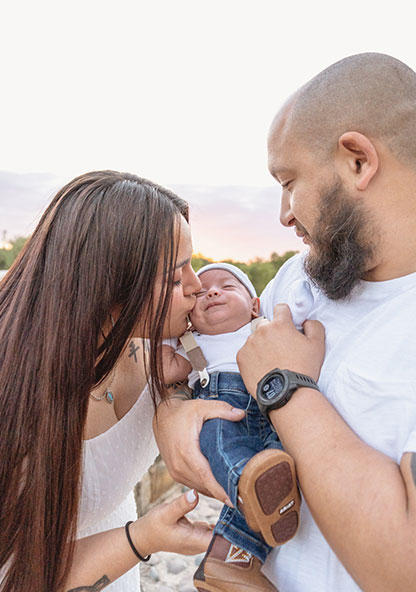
(237, 222)
(23, 197)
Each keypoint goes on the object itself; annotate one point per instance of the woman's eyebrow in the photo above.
(183, 263)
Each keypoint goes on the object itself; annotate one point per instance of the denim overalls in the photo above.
(228, 446)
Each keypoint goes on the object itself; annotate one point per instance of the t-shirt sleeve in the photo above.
(278, 288)
(411, 442)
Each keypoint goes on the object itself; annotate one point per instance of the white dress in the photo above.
(114, 462)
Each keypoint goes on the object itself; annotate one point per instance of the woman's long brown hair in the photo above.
(99, 245)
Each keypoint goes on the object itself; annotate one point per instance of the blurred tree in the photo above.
(259, 271)
(3, 261)
(199, 261)
(7, 256)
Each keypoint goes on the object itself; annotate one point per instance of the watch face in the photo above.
(272, 387)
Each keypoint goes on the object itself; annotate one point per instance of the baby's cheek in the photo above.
(196, 315)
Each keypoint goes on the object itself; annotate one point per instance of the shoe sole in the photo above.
(270, 496)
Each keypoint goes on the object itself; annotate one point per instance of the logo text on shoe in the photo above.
(287, 507)
(238, 555)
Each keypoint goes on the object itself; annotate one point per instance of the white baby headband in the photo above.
(236, 271)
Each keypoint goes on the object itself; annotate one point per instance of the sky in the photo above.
(179, 91)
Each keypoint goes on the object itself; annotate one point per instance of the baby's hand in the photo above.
(175, 367)
(300, 301)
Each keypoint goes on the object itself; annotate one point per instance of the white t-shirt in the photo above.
(369, 376)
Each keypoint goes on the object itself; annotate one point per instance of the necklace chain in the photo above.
(107, 394)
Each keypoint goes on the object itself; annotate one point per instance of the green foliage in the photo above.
(259, 271)
(7, 256)
(199, 261)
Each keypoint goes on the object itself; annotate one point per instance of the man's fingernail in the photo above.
(191, 496)
(228, 502)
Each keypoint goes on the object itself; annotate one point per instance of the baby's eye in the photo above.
(199, 294)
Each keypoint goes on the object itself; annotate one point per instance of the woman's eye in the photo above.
(177, 283)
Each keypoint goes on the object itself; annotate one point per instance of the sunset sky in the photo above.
(178, 91)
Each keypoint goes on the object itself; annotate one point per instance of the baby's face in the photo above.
(223, 304)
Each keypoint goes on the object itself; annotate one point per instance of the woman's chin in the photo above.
(177, 330)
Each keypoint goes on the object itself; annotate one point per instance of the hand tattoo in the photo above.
(100, 585)
(133, 350)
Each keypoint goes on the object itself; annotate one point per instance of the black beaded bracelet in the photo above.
(133, 548)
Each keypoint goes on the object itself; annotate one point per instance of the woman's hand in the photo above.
(177, 426)
(278, 344)
(103, 557)
(165, 528)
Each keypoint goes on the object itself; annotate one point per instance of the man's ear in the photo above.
(358, 157)
(255, 311)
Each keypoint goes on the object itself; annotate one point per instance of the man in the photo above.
(344, 150)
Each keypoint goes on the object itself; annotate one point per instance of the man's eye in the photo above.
(177, 283)
(286, 185)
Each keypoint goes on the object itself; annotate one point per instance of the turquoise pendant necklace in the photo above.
(107, 394)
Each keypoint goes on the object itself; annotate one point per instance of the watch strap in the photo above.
(299, 380)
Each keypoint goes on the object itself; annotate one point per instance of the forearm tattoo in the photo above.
(413, 467)
(100, 585)
(182, 391)
(133, 350)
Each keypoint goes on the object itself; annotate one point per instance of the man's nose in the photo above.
(286, 215)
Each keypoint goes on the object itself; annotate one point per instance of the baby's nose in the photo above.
(212, 292)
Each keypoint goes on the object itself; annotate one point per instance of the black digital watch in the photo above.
(276, 388)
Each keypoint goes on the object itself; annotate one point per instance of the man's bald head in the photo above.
(371, 93)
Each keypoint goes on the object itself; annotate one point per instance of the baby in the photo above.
(246, 457)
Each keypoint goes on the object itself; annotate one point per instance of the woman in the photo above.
(108, 263)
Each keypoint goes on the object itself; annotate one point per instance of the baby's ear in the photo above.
(255, 311)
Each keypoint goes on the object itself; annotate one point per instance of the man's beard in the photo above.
(341, 248)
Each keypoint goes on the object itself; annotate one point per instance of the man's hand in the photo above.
(177, 426)
(278, 344)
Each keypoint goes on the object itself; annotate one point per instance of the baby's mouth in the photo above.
(211, 304)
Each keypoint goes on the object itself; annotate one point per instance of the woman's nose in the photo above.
(193, 284)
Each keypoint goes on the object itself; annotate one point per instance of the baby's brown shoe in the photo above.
(269, 496)
(228, 568)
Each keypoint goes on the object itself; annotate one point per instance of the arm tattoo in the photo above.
(100, 585)
(183, 392)
(133, 350)
(413, 467)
